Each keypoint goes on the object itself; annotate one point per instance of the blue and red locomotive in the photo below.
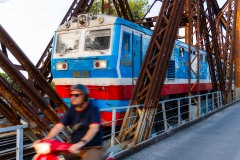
(105, 53)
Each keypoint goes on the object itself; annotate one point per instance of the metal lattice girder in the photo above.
(42, 85)
(8, 113)
(28, 98)
(44, 63)
(123, 9)
(151, 79)
(24, 109)
(26, 88)
(226, 41)
(208, 31)
(194, 40)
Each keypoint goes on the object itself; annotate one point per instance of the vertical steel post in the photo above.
(218, 105)
(199, 106)
(179, 112)
(19, 149)
(164, 117)
(213, 106)
(220, 95)
(114, 111)
(189, 106)
(206, 103)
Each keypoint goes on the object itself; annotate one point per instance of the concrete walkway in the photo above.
(216, 138)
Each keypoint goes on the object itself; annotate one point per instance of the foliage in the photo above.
(9, 80)
(138, 8)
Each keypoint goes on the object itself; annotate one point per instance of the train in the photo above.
(105, 53)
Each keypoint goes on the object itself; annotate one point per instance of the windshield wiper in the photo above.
(97, 50)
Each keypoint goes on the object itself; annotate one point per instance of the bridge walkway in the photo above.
(215, 138)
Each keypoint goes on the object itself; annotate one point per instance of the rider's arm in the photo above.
(55, 130)
(92, 131)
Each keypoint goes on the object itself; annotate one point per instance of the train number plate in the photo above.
(81, 74)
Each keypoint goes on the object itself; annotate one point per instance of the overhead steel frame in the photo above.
(123, 9)
(208, 30)
(152, 75)
(226, 41)
(194, 40)
(44, 63)
(28, 98)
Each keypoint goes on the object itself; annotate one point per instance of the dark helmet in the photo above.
(82, 88)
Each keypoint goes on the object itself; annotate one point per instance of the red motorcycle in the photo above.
(51, 149)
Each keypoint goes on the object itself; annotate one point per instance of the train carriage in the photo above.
(105, 53)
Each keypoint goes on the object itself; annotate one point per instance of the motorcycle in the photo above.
(52, 150)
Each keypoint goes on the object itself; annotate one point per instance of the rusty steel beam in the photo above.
(27, 65)
(152, 75)
(7, 112)
(18, 102)
(32, 133)
(237, 45)
(226, 39)
(208, 31)
(106, 7)
(194, 40)
(123, 9)
(228, 47)
(27, 88)
(44, 63)
(149, 21)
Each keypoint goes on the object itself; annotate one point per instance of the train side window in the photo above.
(181, 52)
(201, 58)
(126, 42)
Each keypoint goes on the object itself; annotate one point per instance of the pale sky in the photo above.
(31, 23)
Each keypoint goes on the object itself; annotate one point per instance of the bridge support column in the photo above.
(237, 46)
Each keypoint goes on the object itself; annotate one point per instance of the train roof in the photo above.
(184, 45)
(89, 20)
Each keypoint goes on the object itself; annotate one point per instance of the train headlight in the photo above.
(61, 66)
(100, 64)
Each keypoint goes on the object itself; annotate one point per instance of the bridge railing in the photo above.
(172, 113)
(19, 138)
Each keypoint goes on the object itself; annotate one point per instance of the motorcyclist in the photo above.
(87, 138)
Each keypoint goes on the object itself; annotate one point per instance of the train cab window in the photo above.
(97, 39)
(181, 52)
(67, 43)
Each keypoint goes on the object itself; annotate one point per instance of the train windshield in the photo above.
(67, 43)
(97, 40)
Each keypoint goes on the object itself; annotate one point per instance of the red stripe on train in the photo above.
(125, 92)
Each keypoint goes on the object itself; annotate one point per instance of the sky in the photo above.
(31, 23)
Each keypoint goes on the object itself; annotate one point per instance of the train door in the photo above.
(137, 55)
(126, 55)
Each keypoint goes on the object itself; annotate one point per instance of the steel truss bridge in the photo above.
(207, 27)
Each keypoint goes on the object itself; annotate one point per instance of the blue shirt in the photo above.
(89, 115)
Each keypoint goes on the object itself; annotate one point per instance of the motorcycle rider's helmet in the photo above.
(82, 88)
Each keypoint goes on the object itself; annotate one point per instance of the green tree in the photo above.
(138, 8)
(9, 80)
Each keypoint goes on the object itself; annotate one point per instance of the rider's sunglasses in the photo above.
(75, 95)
